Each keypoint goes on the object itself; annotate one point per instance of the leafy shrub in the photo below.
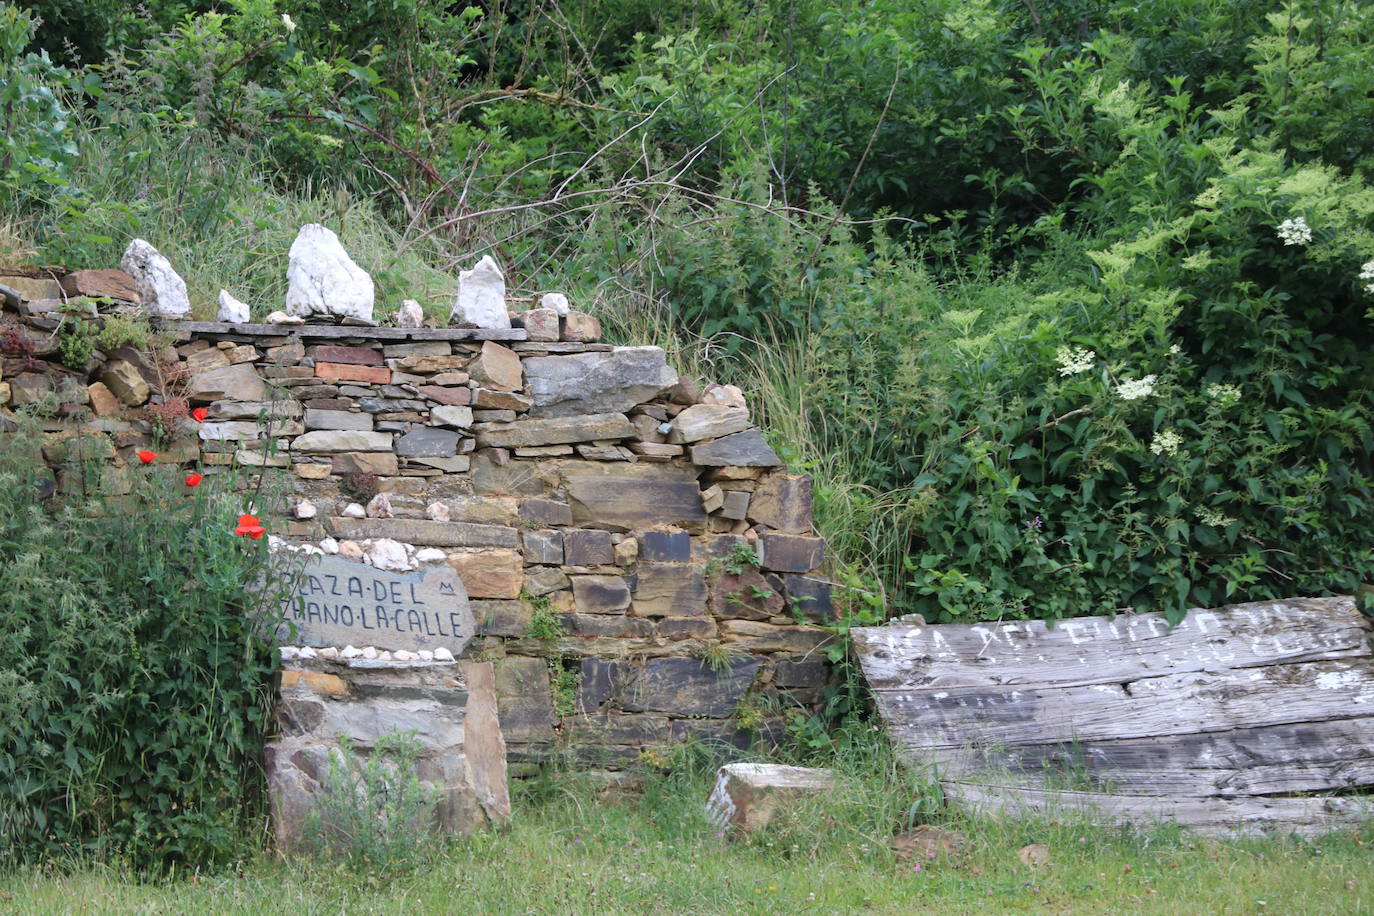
(134, 688)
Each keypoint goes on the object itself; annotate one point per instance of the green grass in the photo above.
(572, 850)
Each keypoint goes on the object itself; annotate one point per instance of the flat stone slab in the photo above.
(747, 795)
(336, 331)
(339, 603)
(744, 449)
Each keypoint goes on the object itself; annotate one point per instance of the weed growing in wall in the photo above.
(374, 812)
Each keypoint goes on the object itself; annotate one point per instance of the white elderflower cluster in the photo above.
(1295, 231)
(1175, 350)
(1166, 442)
(1135, 389)
(1366, 275)
(1072, 362)
(1226, 394)
(288, 23)
(1213, 517)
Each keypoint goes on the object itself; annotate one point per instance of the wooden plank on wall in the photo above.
(1232, 719)
(1103, 650)
(1305, 816)
(1276, 759)
(1178, 704)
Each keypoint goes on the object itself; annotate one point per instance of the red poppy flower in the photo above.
(146, 456)
(200, 413)
(194, 479)
(249, 526)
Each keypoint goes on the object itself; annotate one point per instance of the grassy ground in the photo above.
(574, 851)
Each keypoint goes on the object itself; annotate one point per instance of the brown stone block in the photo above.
(383, 464)
(664, 590)
(629, 496)
(783, 502)
(600, 594)
(489, 573)
(747, 596)
(587, 547)
(113, 284)
(353, 356)
(497, 367)
(605, 626)
(377, 375)
(791, 553)
(581, 327)
(450, 397)
(766, 637)
(327, 684)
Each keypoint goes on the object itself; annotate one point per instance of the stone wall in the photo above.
(583, 493)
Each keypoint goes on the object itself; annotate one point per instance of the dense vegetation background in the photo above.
(1066, 306)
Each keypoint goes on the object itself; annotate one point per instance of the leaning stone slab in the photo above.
(746, 449)
(747, 795)
(554, 430)
(594, 383)
(791, 552)
(339, 603)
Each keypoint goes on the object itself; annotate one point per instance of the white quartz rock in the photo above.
(379, 506)
(353, 510)
(556, 301)
(369, 652)
(231, 310)
(410, 315)
(305, 509)
(384, 553)
(289, 652)
(329, 652)
(350, 652)
(162, 289)
(481, 299)
(280, 317)
(426, 655)
(323, 280)
(308, 652)
(443, 655)
(437, 512)
(329, 546)
(430, 555)
(351, 551)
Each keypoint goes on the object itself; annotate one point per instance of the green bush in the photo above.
(134, 689)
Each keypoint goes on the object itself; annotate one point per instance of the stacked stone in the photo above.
(554, 473)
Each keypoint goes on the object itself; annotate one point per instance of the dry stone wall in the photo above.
(603, 514)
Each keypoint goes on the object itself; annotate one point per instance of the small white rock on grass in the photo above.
(231, 310)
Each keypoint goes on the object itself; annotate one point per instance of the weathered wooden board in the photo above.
(1307, 757)
(1178, 704)
(1243, 707)
(1104, 650)
(1306, 816)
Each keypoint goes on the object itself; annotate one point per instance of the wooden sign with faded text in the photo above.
(1254, 715)
(339, 603)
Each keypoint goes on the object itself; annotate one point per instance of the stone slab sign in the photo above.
(336, 602)
(1236, 718)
